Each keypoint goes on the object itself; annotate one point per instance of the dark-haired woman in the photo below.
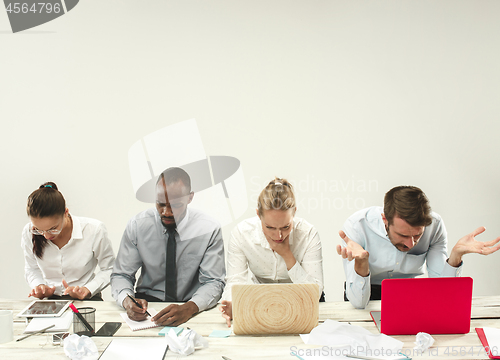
(61, 251)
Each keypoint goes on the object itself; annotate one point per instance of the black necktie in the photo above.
(171, 271)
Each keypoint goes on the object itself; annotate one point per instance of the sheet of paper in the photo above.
(140, 325)
(62, 323)
(135, 348)
(334, 333)
(493, 337)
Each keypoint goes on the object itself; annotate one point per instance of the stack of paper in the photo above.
(62, 323)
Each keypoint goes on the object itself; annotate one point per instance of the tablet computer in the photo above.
(45, 308)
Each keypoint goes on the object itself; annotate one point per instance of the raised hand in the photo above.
(468, 244)
(354, 251)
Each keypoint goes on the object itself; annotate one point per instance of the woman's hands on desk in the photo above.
(42, 291)
(77, 292)
(226, 309)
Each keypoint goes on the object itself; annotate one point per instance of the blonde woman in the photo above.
(274, 245)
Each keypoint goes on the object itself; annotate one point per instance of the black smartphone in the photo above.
(108, 329)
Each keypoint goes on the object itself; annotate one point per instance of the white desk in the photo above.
(485, 312)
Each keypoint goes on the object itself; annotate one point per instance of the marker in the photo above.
(37, 332)
(80, 316)
(135, 302)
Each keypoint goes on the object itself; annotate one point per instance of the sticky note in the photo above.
(220, 333)
(166, 329)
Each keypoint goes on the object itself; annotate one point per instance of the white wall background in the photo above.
(362, 95)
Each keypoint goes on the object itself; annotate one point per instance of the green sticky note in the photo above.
(220, 333)
(166, 329)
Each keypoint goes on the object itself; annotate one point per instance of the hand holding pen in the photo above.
(136, 308)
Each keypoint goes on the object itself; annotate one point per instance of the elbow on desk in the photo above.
(358, 304)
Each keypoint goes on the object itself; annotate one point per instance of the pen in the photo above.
(372, 358)
(165, 353)
(135, 302)
(226, 358)
(37, 332)
(80, 316)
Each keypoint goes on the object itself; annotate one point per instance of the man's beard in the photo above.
(171, 226)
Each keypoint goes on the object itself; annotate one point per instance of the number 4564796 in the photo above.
(36, 8)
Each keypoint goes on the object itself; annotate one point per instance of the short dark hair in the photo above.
(174, 174)
(409, 203)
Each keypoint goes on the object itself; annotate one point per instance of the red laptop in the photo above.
(431, 305)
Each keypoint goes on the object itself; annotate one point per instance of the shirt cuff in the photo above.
(297, 274)
(451, 271)
(205, 301)
(360, 282)
(92, 286)
(121, 296)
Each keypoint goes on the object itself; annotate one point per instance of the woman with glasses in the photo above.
(61, 251)
(274, 246)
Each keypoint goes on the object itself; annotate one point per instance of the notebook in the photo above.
(490, 339)
(260, 309)
(140, 325)
(431, 305)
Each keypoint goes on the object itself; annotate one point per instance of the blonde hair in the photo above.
(277, 195)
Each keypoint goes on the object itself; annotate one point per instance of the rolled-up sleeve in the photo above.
(357, 287)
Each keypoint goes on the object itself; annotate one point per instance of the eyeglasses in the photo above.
(35, 231)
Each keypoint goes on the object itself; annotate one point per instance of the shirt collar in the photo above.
(182, 225)
(77, 232)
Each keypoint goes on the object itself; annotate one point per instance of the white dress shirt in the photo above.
(249, 250)
(367, 228)
(75, 262)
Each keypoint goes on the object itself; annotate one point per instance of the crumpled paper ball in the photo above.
(186, 343)
(423, 341)
(80, 348)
